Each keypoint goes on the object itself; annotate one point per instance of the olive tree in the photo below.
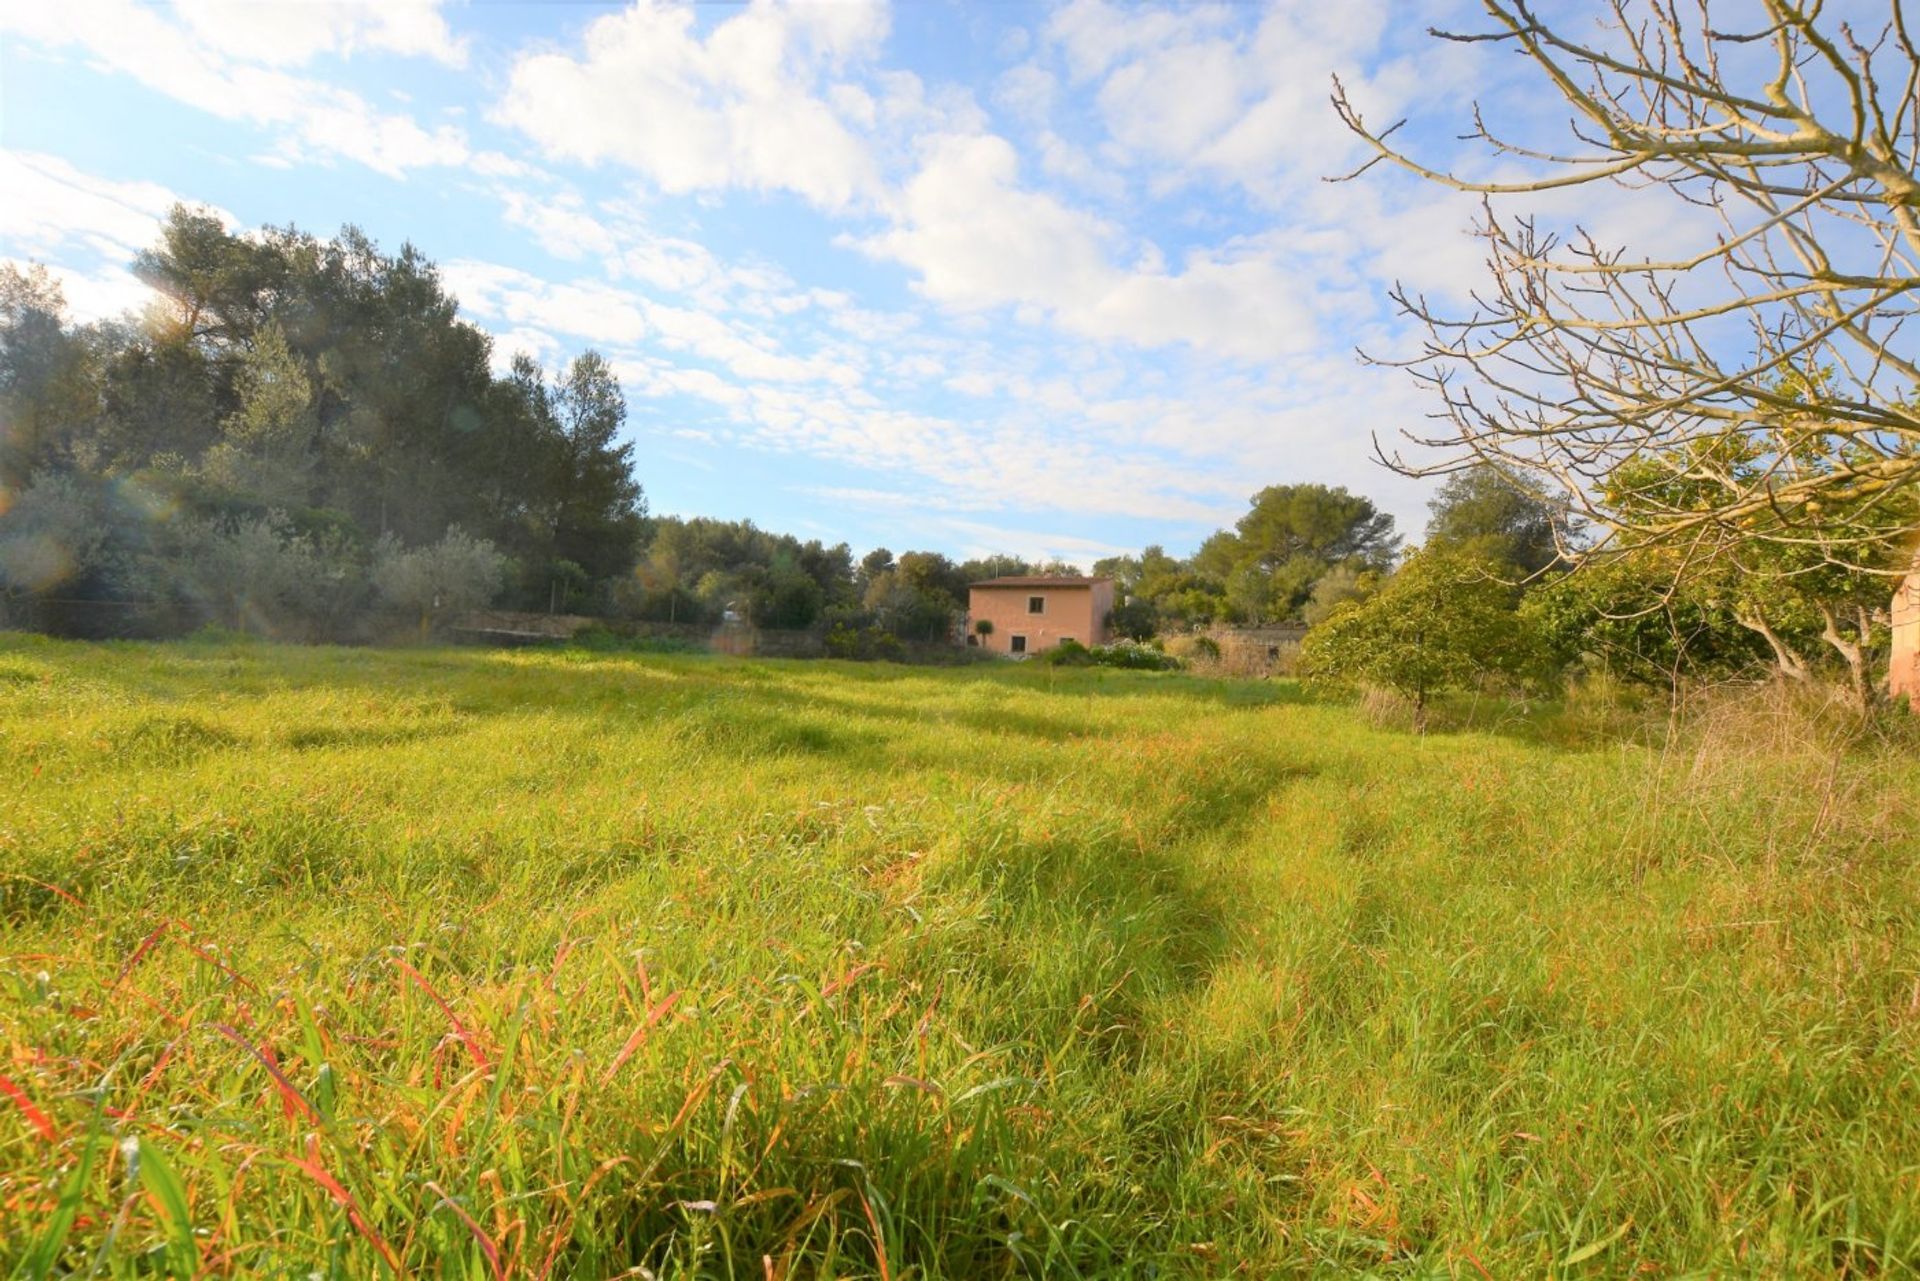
(252, 571)
(52, 531)
(456, 574)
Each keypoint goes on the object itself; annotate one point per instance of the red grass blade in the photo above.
(139, 953)
(658, 1012)
(486, 1243)
(310, 1165)
(35, 1117)
(289, 1092)
(460, 1029)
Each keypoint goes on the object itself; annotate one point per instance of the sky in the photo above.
(1055, 280)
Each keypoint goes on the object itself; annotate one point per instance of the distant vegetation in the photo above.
(301, 430)
(581, 962)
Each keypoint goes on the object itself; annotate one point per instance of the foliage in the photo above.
(1442, 621)
(605, 640)
(1126, 654)
(1507, 518)
(693, 570)
(867, 644)
(457, 574)
(1338, 586)
(324, 381)
(1292, 536)
(994, 970)
(53, 532)
(1134, 618)
(258, 572)
(1807, 583)
(1626, 616)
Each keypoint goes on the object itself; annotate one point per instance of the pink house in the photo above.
(1029, 613)
(1903, 667)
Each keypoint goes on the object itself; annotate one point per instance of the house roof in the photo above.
(1040, 580)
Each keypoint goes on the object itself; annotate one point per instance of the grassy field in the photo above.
(340, 963)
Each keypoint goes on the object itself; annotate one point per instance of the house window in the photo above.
(1036, 604)
(1019, 644)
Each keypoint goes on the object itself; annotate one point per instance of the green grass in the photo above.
(335, 962)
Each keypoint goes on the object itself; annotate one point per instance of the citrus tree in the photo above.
(1443, 621)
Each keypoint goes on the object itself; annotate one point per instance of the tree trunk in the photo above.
(1420, 711)
(1789, 664)
(1859, 681)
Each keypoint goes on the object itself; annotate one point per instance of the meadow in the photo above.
(348, 963)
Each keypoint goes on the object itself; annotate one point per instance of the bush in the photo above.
(866, 644)
(1130, 655)
(452, 576)
(604, 640)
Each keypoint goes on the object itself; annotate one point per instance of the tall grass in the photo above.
(558, 964)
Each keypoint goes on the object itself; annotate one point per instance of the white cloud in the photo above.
(1027, 91)
(58, 215)
(308, 115)
(596, 312)
(750, 105)
(51, 207)
(290, 34)
(978, 239)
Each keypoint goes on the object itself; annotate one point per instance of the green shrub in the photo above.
(867, 644)
(604, 640)
(1123, 653)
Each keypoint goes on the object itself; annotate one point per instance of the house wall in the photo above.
(1903, 666)
(1077, 613)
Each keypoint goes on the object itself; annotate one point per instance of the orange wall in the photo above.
(1076, 612)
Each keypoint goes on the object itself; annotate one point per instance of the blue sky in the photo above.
(1056, 280)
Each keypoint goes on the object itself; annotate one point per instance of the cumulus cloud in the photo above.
(753, 104)
(977, 238)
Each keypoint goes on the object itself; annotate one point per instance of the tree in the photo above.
(996, 566)
(1442, 621)
(875, 563)
(1267, 564)
(254, 571)
(1825, 589)
(457, 574)
(1341, 584)
(1627, 616)
(264, 448)
(1509, 519)
(1134, 618)
(1782, 325)
(53, 532)
(46, 385)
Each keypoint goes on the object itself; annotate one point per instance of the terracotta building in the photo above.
(1903, 668)
(1030, 613)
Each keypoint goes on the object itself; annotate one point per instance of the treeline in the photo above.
(300, 432)
(1493, 594)
(291, 421)
(712, 571)
(1299, 550)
